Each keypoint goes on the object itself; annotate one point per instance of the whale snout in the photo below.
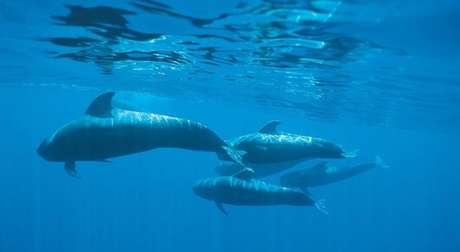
(43, 150)
(198, 190)
(332, 150)
(203, 189)
(195, 188)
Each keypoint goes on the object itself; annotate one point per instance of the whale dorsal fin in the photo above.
(101, 106)
(245, 174)
(270, 127)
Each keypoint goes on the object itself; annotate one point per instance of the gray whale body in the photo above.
(106, 132)
(241, 189)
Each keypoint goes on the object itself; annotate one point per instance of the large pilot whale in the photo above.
(269, 151)
(323, 174)
(241, 189)
(105, 132)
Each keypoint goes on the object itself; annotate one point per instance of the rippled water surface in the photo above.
(375, 61)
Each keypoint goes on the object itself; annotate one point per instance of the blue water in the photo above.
(379, 76)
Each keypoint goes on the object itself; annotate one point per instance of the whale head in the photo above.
(202, 189)
(210, 188)
(331, 150)
(47, 150)
(43, 149)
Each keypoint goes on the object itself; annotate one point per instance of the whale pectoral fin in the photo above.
(101, 106)
(245, 174)
(270, 127)
(69, 167)
(321, 206)
(220, 206)
(380, 163)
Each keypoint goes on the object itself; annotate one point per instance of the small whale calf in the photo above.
(323, 174)
(106, 132)
(268, 151)
(241, 189)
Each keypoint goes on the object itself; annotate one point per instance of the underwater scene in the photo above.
(236, 125)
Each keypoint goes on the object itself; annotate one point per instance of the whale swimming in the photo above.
(323, 174)
(241, 189)
(268, 151)
(105, 132)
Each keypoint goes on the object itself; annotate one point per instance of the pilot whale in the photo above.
(241, 189)
(105, 132)
(268, 151)
(323, 174)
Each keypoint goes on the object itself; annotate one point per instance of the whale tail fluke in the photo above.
(234, 155)
(380, 163)
(321, 206)
(351, 154)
